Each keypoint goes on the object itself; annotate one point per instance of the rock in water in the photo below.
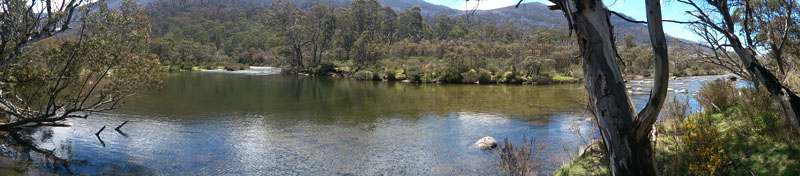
(486, 143)
(733, 78)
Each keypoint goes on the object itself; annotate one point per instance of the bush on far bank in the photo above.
(432, 70)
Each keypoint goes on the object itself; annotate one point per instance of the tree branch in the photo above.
(647, 116)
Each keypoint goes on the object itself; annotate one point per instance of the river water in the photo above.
(259, 122)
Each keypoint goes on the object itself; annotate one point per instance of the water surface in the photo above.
(271, 124)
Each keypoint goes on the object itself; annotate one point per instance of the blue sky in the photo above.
(635, 8)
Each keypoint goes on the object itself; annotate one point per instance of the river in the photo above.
(259, 122)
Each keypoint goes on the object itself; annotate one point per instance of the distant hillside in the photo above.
(536, 15)
(527, 16)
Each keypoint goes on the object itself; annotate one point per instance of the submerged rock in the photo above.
(486, 143)
(733, 78)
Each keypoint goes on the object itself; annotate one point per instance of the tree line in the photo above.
(366, 36)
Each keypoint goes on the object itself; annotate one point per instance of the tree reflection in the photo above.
(23, 151)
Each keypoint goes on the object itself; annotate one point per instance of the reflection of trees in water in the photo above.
(24, 152)
(26, 155)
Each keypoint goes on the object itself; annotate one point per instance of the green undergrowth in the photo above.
(742, 134)
(432, 70)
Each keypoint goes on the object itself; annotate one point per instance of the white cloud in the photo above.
(485, 4)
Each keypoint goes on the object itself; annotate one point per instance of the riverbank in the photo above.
(739, 133)
(183, 67)
(434, 70)
(416, 74)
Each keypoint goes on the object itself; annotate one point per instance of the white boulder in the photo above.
(486, 143)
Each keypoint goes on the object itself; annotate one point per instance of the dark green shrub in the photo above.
(236, 67)
(390, 74)
(450, 75)
(470, 76)
(323, 69)
(485, 76)
(364, 75)
(186, 66)
(414, 73)
(540, 79)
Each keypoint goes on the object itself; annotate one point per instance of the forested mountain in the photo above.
(526, 16)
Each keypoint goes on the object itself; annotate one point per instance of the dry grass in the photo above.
(676, 109)
(717, 95)
(521, 160)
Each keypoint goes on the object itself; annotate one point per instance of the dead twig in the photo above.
(101, 130)
(120, 125)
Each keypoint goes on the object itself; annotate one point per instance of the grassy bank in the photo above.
(740, 132)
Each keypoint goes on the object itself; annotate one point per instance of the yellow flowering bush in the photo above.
(703, 150)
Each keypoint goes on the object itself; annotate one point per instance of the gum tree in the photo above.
(624, 132)
(87, 70)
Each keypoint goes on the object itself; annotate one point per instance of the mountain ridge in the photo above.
(527, 16)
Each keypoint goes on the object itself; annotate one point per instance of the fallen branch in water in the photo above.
(101, 130)
(120, 125)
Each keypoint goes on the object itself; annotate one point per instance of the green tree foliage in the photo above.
(94, 69)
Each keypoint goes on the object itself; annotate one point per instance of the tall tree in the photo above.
(289, 21)
(443, 27)
(366, 14)
(389, 25)
(323, 26)
(625, 133)
(412, 24)
(346, 33)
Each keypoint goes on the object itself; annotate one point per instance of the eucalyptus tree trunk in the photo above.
(625, 133)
